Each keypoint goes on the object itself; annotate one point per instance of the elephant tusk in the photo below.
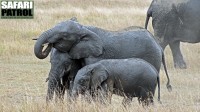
(45, 44)
(61, 81)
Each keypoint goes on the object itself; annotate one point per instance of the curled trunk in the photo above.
(38, 48)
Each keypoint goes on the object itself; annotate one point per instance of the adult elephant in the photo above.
(93, 44)
(175, 21)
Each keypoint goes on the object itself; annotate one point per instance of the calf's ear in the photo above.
(99, 74)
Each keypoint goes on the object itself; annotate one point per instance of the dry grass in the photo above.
(22, 83)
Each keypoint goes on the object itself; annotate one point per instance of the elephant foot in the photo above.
(160, 102)
(48, 99)
(180, 65)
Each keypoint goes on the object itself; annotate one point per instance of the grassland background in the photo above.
(22, 75)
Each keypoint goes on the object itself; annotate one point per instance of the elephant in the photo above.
(62, 72)
(175, 21)
(130, 78)
(92, 44)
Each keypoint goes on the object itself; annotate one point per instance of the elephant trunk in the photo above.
(54, 84)
(75, 92)
(38, 48)
(74, 95)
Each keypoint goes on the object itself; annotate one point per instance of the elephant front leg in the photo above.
(103, 94)
(106, 92)
(60, 91)
(69, 91)
(54, 85)
(177, 55)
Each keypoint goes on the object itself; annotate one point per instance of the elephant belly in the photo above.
(132, 92)
(189, 25)
(134, 89)
(189, 35)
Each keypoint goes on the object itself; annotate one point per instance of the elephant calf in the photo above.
(62, 72)
(125, 77)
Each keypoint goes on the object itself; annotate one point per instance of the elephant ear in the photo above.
(90, 45)
(99, 74)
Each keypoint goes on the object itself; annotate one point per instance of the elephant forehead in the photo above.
(84, 71)
(78, 78)
(60, 57)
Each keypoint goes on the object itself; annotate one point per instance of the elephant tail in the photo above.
(169, 87)
(147, 21)
(149, 14)
(158, 80)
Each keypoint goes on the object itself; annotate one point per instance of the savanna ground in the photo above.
(22, 75)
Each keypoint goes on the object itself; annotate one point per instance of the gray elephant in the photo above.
(62, 72)
(175, 21)
(126, 77)
(91, 44)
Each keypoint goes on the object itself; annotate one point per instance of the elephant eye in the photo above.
(82, 81)
(66, 63)
(65, 34)
(85, 39)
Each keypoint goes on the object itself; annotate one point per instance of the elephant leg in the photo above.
(61, 87)
(145, 97)
(54, 85)
(107, 91)
(51, 89)
(163, 45)
(103, 94)
(127, 101)
(69, 91)
(177, 55)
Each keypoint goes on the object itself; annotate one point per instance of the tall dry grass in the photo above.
(22, 75)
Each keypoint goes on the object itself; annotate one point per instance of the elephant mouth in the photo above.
(60, 47)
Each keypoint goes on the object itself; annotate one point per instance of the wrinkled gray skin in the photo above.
(175, 21)
(126, 77)
(93, 44)
(63, 70)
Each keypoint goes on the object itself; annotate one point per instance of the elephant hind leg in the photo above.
(127, 101)
(145, 98)
(177, 55)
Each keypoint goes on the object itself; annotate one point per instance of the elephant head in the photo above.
(60, 63)
(69, 36)
(89, 78)
(60, 67)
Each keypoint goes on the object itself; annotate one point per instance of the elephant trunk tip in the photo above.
(41, 41)
(74, 95)
(39, 53)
